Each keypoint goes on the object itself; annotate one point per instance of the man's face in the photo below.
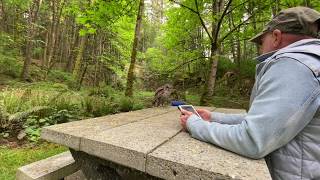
(267, 42)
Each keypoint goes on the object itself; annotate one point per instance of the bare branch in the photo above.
(220, 21)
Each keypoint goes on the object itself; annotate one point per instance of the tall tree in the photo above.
(137, 37)
(218, 10)
(32, 17)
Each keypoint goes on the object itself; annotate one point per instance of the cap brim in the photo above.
(257, 38)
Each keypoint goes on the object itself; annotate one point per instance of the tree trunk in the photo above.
(209, 85)
(130, 79)
(52, 36)
(217, 7)
(77, 71)
(33, 13)
(307, 3)
(73, 47)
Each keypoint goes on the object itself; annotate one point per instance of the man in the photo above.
(283, 122)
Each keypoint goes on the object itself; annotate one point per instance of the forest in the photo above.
(67, 60)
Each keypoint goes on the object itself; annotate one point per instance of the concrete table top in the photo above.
(152, 141)
(69, 134)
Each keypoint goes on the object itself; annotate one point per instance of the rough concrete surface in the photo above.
(55, 167)
(76, 176)
(129, 144)
(151, 141)
(69, 134)
(186, 158)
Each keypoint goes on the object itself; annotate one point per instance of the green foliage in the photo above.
(9, 56)
(33, 124)
(102, 14)
(98, 106)
(105, 91)
(19, 105)
(248, 68)
(43, 104)
(126, 104)
(60, 76)
(224, 66)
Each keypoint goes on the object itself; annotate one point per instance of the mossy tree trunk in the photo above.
(137, 37)
(78, 62)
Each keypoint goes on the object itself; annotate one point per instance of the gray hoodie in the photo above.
(283, 122)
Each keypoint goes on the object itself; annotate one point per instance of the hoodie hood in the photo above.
(306, 46)
(299, 50)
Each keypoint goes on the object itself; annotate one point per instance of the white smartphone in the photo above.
(189, 108)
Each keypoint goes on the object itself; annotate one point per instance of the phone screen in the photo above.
(189, 108)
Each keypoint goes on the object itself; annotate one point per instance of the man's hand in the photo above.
(184, 117)
(205, 114)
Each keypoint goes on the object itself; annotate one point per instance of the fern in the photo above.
(17, 117)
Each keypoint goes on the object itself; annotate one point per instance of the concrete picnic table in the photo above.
(149, 144)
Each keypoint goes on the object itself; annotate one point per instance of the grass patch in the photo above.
(12, 159)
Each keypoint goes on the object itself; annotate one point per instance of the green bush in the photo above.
(33, 124)
(10, 59)
(41, 104)
(97, 106)
(129, 104)
(105, 91)
(248, 68)
(224, 66)
(19, 105)
(10, 66)
(66, 100)
(59, 76)
(126, 104)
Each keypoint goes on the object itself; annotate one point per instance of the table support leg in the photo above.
(99, 169)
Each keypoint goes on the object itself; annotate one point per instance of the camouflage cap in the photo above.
(296, 20)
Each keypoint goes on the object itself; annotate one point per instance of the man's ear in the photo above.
(277, 38)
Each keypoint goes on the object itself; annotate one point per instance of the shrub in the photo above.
(126, 104)
(105, 91)
(33, 124)
(224, 66)
(97, 106)
(10, 66)
(10, 63)
(59, 76)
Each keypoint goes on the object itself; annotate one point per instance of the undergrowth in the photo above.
(25, 110)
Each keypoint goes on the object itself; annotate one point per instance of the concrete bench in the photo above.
(55, 167)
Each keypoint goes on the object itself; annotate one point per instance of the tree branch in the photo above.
(182, 5)
(220, 21)
(198, 14)
(239, 25)
(235, 7)
(202, 22)
(190, 61)
(235, 28)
